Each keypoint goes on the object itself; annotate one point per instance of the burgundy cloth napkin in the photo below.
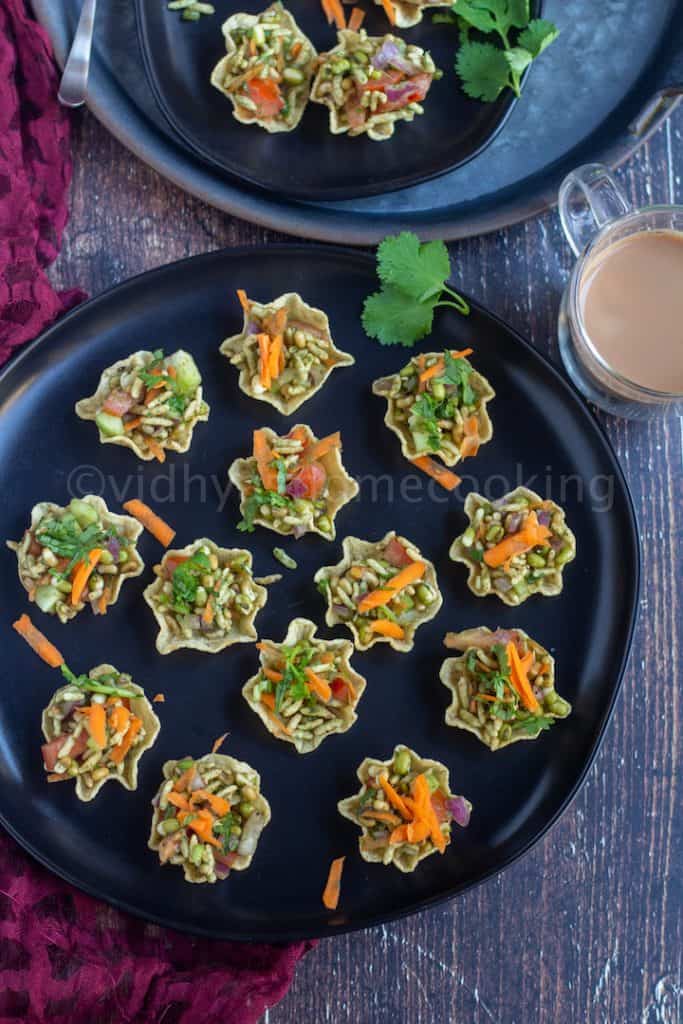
(64, 957)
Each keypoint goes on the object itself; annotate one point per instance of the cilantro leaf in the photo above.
(533, 723)
(517, 13)
(260, 496)
(457, 372)
(518, 59)
(483, 70)
(478, 13)
(419, 270)
(394, 318)
(537, 36)
(185, 581)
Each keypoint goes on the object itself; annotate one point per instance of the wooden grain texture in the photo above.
(588, 927)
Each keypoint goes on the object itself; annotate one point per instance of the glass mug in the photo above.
(595, 214)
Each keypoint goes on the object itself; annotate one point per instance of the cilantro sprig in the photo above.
(260, 496)
(484, 68)
(186, 579)
(413, 276)
(66, 539)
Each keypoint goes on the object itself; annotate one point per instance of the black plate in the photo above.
(615, 104)
(541, 427)
(311, 163)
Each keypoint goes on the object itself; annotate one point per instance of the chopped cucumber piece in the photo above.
(111, 426)
(47, 597)
(85, 513)
(188, 377)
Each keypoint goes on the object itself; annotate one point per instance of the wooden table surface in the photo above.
(588, 927)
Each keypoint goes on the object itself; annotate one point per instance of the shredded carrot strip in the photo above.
(102, 603)
(270, 673)
(357, 18)
(296, 49)
(217, 744)
(470, 442)
(119, 716)
(332, 888)
(151, 521)
(184, 781)
(118, 753)
(243, 300)
(158, 698)
(274, 357)
(519, 679)
(394, 798)
(390, 11)
(376, 598)
(530, 536)
(264, 360)
(57, 777)
(83, 573)
(322, 447)
(386, 628)
(207, 614)
(132, 424)
(96, 723)
(156, 449)
(39, 643)
(386, 816)
(317, 685)
(264, 461)
(178, 800)
(437, 472)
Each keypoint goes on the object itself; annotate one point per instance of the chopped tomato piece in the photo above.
(266, 95)
(339, 688)
(51, 749)
(118, 403)
(440, 808)
(395, 553)
(311, 480)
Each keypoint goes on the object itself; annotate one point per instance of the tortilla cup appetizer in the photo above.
(383, 591)
(405, 809)
(515, 546)
(208, 816)
(205, 598)
(268, 68)
(293, 483)
(369, 83)
(408, 14)
(78, 555)
(285, 351)
(503, 686)
(96, 729)
(305, 689)
(148, 402)
(436, 405)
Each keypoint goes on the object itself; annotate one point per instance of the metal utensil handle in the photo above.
(589, 199)
(74, 85)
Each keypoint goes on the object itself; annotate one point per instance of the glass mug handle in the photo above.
(589, 198)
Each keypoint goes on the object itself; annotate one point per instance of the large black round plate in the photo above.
(310, 163)
(544, 436)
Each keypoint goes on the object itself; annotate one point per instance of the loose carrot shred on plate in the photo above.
(264, 461)
(39, 643)
(158, 698)
(386, 628)
(357, 18)
(83, 573)
(317, 685)
(150, 520)
(243, 300)
(439, 473)
(332, 889)
(156, 449)
(376, 598)
(217, 744)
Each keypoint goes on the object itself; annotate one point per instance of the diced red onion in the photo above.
(543, 517)
(155, 801)
(296, 488)
(503, 584)
(556, 543)
(114, 548)
(341, 611)
(514, 522)
(390, 55)
(221, 870)
(460, 810)
(400, 92)
(252, 327)
(197, 782)
(298, 531)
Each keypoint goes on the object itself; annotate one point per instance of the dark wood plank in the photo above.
(587, 928)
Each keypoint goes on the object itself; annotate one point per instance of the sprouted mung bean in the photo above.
(148, 402)
(268, 68)
(77, 555)
(97, 728)
(405, 809)
(515, 546)
(208, 816)
(204, 597)
(292, 484)
(370, 83)
(284, 352)
(305, 689)
(436, 405)
(502, 686)
(190, 10)
(383, 591)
